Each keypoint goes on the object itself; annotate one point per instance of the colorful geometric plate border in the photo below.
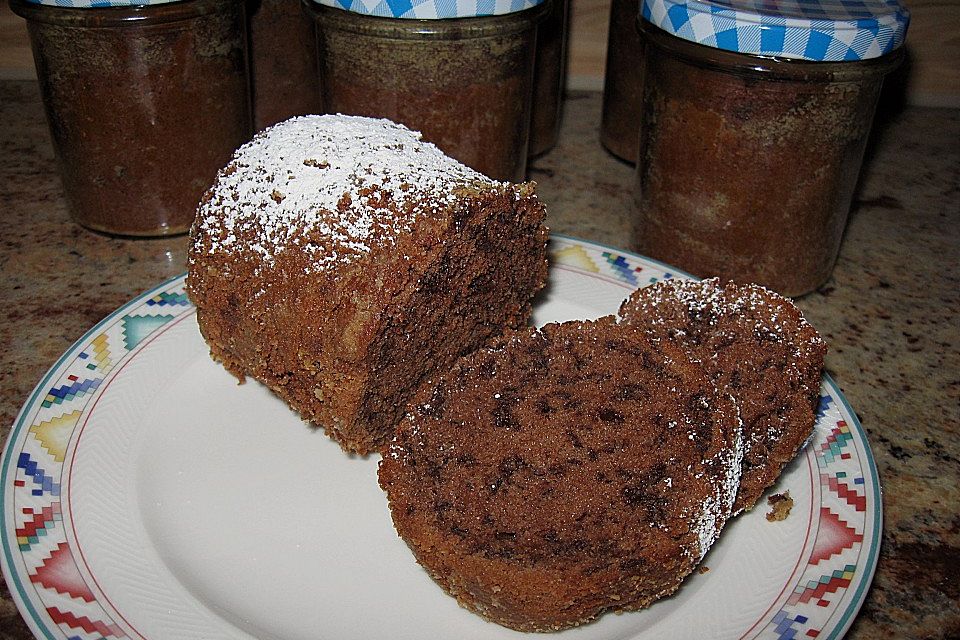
(57, 603)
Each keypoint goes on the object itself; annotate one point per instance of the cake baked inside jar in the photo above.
(340, 260)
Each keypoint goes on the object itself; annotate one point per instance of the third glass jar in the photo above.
(548, 78)
(283, 62)
(620, 122)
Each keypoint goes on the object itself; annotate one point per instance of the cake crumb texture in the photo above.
(561, 472)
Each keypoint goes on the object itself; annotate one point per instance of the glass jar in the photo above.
(465, 83)
(145, 104)
(548, 79)
(283, 62)
(748, 163)
(622, 83)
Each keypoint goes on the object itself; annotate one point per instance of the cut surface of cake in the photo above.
(756, 345)
(339, 260)
(561, 472)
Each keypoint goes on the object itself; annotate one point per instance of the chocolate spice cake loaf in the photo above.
(340, 259)
(561, 472)
(757, 345)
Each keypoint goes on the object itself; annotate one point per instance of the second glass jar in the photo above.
(465, 83)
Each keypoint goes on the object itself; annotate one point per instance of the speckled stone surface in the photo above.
(891, 313)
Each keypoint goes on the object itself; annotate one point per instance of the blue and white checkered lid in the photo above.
(431, 9)
(99, 4)
(817, 30)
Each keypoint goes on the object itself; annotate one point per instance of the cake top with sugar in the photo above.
(713, 306)
(328, 186)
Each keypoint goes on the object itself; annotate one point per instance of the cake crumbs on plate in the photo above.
(780, 506)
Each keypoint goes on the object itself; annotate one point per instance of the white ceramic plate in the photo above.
(147, 495)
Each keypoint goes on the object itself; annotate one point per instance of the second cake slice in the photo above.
(755, 344)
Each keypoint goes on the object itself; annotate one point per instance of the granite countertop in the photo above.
(891, 314)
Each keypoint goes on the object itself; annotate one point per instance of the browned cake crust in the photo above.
(757, 345)
(562, 472)
(339, 260)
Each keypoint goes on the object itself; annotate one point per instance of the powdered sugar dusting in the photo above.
(328, 186)
(717, 508)
(772, 317)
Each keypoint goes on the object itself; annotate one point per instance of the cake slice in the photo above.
(756, 345)
(561, 472)
(340, 260)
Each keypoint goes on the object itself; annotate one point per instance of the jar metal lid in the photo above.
(431, 9)
(98, 4)
(815, 30)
